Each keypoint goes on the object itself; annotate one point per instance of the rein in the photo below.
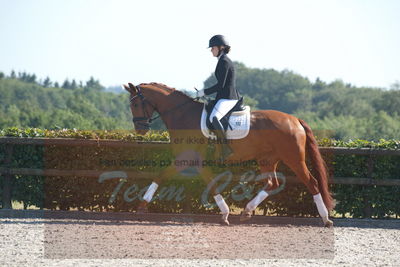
(147, 119)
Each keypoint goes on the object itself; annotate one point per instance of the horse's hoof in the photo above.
(328, 223)
(142, 211)
(142, 208)
(245, 216)
(224, 222)
(224, 219)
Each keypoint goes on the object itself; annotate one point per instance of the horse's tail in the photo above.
(319, 165)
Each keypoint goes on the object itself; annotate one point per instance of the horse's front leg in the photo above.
(148, 196)
(219, 200)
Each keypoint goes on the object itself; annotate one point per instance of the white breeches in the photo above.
(222, 107)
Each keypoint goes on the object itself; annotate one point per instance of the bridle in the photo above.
(145, 122)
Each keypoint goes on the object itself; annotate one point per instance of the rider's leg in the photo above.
(221, 108)
(219, 131)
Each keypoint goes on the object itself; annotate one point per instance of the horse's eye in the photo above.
(135, 105)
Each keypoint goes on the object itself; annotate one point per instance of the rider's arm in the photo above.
(221, 73)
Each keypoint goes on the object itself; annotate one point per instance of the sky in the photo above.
(166, 41)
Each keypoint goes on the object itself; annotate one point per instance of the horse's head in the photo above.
(142, 110)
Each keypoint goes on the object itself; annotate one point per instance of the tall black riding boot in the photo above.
(219, 131)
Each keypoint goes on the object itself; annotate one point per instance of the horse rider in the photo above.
(227, 95)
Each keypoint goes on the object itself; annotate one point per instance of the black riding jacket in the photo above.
(226, 77)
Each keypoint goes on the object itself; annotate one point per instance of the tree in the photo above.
(249, 101)
(93, 84)
(47, 83)
(389, 101)
(31, 78)
(22, 76)
(73, 84)
(66, 84)
(25, 105)
(395, 86)
(1, 75)
(318, 85)
(26, 77)
(336, 109)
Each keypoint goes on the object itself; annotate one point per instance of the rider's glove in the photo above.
(200, 93)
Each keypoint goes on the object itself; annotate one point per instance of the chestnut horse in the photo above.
(273, 137)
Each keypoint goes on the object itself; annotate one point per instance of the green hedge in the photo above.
(185, 189)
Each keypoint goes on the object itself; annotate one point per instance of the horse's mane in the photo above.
(166, 88)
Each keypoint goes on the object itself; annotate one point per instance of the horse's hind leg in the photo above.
(208, 176)
(270, 182)
(303, 173)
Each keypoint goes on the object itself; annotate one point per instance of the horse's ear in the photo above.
(130, 88)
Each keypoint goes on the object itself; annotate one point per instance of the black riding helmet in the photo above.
(218, 40)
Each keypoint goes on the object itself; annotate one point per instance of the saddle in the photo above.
(225, 120)
(236, 122)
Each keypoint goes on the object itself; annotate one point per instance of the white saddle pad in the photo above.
(239, 120)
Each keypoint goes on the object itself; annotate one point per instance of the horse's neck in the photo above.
(180, 112)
